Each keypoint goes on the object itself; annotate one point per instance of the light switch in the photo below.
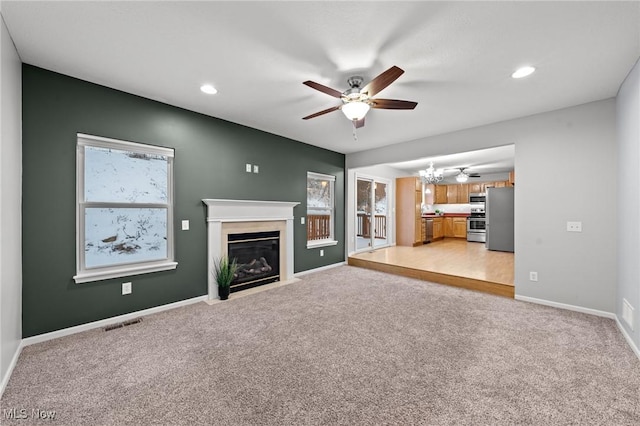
(126, 288)
(185, 225)
(302, 220)
(256, 169)
(248, 168)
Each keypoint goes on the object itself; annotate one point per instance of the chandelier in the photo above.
(431, 175)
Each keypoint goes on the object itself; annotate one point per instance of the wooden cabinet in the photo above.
(512, 178)
(455, 227)
(476, 188)
(429, 194)
(460, 227)
(452, 194)
(441, 194)
(408, 211)
(463, 193)
(438, 231)
(497, 184)
(448, 226)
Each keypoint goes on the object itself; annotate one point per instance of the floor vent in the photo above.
(122, 324)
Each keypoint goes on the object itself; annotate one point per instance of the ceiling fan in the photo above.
(462, 176)
(357, 100)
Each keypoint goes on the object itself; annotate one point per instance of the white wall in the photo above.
(10, 205)
(628, 126)
(565, 165)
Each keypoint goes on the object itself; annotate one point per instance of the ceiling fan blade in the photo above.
(322, 112)
(324, 89)
(359, 123)
(392, 104)
(382, 81)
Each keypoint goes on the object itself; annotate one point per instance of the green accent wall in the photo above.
(210, 163)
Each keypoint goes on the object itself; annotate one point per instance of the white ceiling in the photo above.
(486, 162)
(457, 57)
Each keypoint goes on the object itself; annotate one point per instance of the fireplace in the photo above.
(258, 257)
(226, 219)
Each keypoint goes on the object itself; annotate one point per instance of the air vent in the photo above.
(122, 324)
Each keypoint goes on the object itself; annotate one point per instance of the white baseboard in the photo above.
(322, 268)
(596, 312)
(12, 365)
(634, 348)
(108, 321)
(574, 308)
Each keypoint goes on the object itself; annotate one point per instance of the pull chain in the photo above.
(355, 135)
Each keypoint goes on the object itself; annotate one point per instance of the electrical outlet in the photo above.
(126, 288)
(321, 252)
(185, 225)
(302, 220)
(533, 276)
(574, 226)
(247, 168)
(256, 169)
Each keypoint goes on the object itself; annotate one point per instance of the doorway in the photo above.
(372, 213)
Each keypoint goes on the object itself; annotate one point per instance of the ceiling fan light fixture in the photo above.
(523, 72)
(462, 177)
(208, 89)
(355, 110)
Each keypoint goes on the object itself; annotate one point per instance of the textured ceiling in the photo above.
(457, 57)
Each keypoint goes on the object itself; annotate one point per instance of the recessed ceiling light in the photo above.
(523, 72)
(208, 89)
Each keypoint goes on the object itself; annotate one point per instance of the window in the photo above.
(320, 210)
(124, 213)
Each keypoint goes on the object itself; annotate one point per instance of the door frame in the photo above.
(390, 209)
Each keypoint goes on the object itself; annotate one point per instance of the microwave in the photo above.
(477, 198)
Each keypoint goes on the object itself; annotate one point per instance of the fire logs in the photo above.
(255, 267)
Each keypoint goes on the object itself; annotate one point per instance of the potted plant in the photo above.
(224, 271)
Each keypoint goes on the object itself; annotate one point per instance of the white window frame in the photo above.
(84, 274)
(331, 241)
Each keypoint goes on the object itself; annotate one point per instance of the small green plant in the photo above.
(224, 270)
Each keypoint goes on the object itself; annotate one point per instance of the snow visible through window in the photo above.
(122, 234)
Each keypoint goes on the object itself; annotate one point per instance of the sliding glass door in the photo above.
(372, 213)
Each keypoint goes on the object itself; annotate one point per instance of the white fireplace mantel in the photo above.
(260, 214)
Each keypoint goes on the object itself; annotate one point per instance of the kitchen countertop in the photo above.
(432, 215)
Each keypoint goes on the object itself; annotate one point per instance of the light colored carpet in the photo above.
(347, 346)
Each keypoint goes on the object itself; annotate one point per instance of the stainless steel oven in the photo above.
(476, 228)
(477, 202)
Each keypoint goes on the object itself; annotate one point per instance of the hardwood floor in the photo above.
(451, 261)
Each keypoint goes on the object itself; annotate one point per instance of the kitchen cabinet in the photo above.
(460, 227)
(448, 226)
(429, 194)
(455, 227)
(512, 178)
(441, 194)
(476, 188)
(498, 184)
(463, 193)
(408, 211)
(438, 231)
(452, 194)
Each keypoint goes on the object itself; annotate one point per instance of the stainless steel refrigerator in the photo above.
(500, 219)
